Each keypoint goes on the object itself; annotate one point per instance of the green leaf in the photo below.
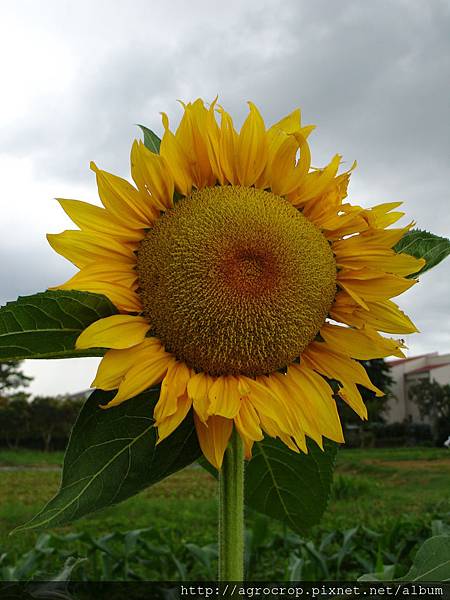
(423, 244)
(293, 488)
(151, 140)
(112, 455)
(46, 325)
(431, 563)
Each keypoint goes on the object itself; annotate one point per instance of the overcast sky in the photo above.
(78, 75)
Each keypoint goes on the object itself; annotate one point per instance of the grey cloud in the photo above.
(31, 269)
(372, 76)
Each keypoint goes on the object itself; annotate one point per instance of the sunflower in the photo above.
(245, 285)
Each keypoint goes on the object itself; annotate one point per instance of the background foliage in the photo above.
(169, 529)
(433, 401)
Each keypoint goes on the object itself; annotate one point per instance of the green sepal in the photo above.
(151, 140)
(153, 143)
(46, 325)
(423, 244)
(112, 455)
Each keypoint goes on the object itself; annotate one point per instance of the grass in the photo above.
(34, 458)
(393, 454)
(380, 489)
(174, 504)
(412, 481)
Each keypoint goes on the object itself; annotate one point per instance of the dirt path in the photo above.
(21, 468)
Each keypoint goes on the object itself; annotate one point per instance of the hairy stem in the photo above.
(231, 512)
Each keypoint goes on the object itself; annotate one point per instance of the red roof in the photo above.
(399, 361)
(429, 368)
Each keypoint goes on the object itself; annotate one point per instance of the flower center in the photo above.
(235, 280)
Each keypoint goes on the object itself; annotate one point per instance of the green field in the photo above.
(30, 458)
(389, 492)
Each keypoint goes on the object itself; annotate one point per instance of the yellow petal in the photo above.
(152, 177)
(344, 307)
(192, 135)
(116, 281)
(351, 396)
(213, 437)
(251, 148)
(225, 397)
(288, 418)
(96, 219)
(386, 316)
(383, 315)
(362, 344)
(286, 174)
(228, 141)
(116, 363)
(122, 297)
(109, 272)
(273, 430)
(336, 365)
(175, 157)
(117, 331)
(212, 142)
(198, 388)
(348, 372)
(276, 137)
(270, 401)
(358, 251)
(172, 388)
(170, 423)
(365, 284)
(288, 124)
(314, 184)
(385, 237)
(112, 368)
(306, 420)
(279, 412)
(82, 248)
(248, 423)
(248, 445)
(337, 227)
(330, 214)
(141, 376)
(318, 398)
(293, 444)
(124, 201)
(269, 426)
(380, 216)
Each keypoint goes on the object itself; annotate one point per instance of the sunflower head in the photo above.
(235, 280)
(227, 259)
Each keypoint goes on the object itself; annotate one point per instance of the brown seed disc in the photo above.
(235, 280)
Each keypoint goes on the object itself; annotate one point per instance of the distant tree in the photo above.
(12, 378)
(68, 411)
(45, 419)
(14, 420)
(433, 401)
(379, 373)
(52, 418)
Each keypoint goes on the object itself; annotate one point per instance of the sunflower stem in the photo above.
(231, 512)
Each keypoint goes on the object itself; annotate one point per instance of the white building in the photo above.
(406, 372)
